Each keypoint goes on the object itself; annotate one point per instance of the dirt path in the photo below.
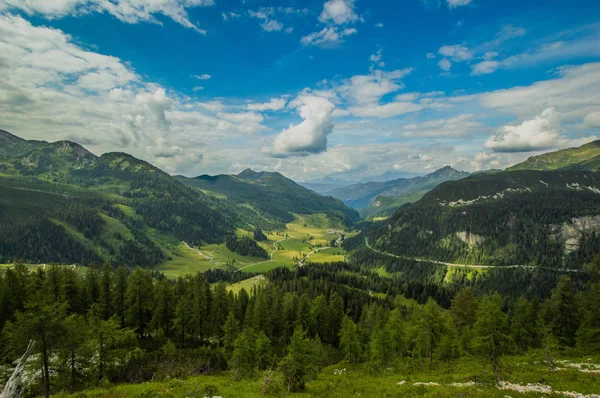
(301, 262)
(275, 244)
(476, 266)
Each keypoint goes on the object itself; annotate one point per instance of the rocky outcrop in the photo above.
(470, 238)
(571, 231)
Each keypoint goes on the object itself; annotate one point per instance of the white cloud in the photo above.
(309, 136)
(542, 132)
(420, 157)
(430, 55)
(368, 89)
(101, 101)
(592, 120)
(444, 64)
(328, 36)
(458, 126)
(458, 3)
(485, 67)
(265, 14)
(573, 93)
(202, 77)
(379, 25)
(339, 12)
(275, 104)
(128, 11)
(456, 52)
(229, 15)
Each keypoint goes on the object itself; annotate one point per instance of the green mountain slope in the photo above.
(271, 194)
(505, 218)
(383, 198)
(61, 203)
(585, 158)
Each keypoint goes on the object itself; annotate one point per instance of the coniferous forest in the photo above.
(110, 326)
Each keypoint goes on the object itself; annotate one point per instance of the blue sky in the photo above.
(344, 88)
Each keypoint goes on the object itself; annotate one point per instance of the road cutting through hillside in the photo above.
(475, 266)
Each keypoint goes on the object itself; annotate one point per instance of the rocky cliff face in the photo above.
(571, 231)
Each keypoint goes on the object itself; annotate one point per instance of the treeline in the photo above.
(245, 246)
(120, 326)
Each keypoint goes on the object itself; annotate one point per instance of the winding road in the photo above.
(477, 266)
(275, 244)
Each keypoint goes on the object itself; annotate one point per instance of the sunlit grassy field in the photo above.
(301, 236)
(525, 376)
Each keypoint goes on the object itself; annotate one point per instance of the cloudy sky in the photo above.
(312, 88)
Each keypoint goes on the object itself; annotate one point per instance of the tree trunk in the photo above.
(13, 388)
(45, 370)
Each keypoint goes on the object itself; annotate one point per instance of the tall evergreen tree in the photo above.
(492, 339)
(138, 299)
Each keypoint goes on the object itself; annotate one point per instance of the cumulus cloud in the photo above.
(335, 14)
(202, 77)
(52, 88)
(456, 52)
(592, 120)
(128, 11)
(309, 136)
(275, 104)
(445, 65)
(542, 132)
(485, 67)
(339, 12)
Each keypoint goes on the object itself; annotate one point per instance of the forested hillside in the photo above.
(62, 204)
(272, 194)
(549, 219)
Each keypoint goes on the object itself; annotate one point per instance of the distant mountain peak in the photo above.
(247, 173)
(447, 171)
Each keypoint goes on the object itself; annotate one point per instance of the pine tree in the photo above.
(74, 350)
(349, 342)
(138, 299)
(106, 290)
(231, 330)
(562, 312)
(219, 309)
(492, 339)
(120, 294)
(430, 328)
(522, 325)
(163, 314)
(41, 321)
(302, 362)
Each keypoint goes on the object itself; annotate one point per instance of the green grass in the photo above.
(184, 261)
(331, 255)
(319, 227)
(350, 380)
(247, 284)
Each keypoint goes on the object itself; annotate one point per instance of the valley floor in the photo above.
(525, 376)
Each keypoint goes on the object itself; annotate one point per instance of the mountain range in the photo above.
(61, 203)
(544, 211)
(375, 199)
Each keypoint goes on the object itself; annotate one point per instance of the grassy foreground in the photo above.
(522, 376)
